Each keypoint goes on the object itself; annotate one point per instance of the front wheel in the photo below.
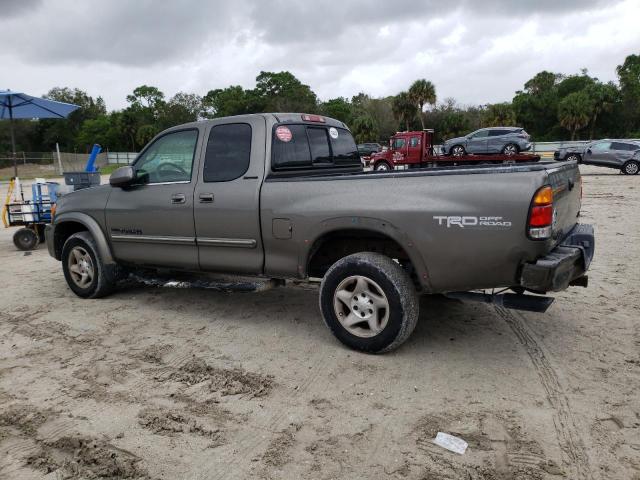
(369, 302)
(631, 167)
(458, 151)
(85, 272)
(382, 167)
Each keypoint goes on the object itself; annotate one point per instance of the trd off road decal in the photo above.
(470, 221)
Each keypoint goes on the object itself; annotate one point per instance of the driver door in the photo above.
(151, 222)
(478, 142)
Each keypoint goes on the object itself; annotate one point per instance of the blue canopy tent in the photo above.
(20, 105)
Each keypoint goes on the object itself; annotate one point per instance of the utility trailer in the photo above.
(415, 150)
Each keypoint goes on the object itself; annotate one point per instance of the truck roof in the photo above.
(279, 117)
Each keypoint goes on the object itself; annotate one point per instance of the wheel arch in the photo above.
(67, 224)
(344, 238)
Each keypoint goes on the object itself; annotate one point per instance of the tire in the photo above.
(457, 151)
(510, 149)
(382, 167)
(572, 157)
(630, 167)
(374, 280)
(102, 277)
(25, 239)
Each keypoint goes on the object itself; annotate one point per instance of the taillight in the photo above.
(541, 214)
(53, 211)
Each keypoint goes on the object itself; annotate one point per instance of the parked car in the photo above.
(366, 149)
(505, 140)
(284, 196)
(619, 154)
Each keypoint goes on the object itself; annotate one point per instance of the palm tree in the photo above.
(403, 108)
(574, 112)
(603, 97)
(421, 92)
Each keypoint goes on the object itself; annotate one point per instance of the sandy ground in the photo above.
(157, 383)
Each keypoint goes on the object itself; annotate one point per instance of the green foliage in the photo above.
(498, 114)
(403, 109)
(574, 112)
(550, 106)
(422, 92)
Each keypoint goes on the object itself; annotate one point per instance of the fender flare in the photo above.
(382, 227)
(94, 229)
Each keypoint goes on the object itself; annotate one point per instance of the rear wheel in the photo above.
(85, 272)
(369, 302)
(510, 149)
(458, 151)
(382, 167)
(25, 239)
(631, 167)
(573, 157)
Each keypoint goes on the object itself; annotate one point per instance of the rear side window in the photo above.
(301, 146)
(628, 147)
(228, 152)
(497, 133)
(414, 142)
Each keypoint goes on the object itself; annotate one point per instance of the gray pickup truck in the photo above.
(284, 196)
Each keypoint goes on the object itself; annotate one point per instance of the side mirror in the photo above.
(588, 150)
(122, 177)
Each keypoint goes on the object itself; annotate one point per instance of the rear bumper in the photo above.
(566, 263)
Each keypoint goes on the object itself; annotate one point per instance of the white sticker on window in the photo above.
(333, 132)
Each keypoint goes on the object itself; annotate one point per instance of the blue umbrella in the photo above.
(20, 105)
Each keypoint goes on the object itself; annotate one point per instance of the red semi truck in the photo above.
(415, 150)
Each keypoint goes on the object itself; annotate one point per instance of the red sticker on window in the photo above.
(284, 134)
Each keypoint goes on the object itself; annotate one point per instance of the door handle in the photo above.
(178, 198)
(206, 197)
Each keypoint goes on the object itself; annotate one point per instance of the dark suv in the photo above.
(505, 140)
(366, 149)
(619, 154)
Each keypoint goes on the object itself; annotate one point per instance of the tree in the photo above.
(364, 129)
(574, 112)
(603, 98)
(498, 114)
(403, 109)
(421, 92)
(181, 108)
(536, 107)
(146, 96)
(283, 92)
(629, 78)
(338, 108)
(233, 100)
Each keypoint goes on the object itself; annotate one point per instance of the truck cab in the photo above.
(406, 149)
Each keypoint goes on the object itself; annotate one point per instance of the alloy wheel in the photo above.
(361, 306)
(81, 267)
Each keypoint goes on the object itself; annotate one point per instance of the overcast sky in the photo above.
(475, 51)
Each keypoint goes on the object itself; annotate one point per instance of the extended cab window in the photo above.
(414, 142)
(228, 152)
(168, 159)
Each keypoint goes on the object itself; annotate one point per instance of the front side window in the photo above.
(228, 152)
(601, 147)
(481, 134)
(398, 143)
(168, 159)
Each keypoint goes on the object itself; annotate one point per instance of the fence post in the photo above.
(59, 159)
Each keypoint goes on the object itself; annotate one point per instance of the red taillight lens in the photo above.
(541, 214)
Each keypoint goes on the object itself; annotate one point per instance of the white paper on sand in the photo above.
(454, 444)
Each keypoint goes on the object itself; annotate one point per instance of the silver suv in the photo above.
(505, 140)
(622, 154)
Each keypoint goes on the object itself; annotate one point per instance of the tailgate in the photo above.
(567, 192)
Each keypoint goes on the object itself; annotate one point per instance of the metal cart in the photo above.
(31, 215)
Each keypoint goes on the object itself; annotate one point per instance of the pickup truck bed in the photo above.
(284, 196)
